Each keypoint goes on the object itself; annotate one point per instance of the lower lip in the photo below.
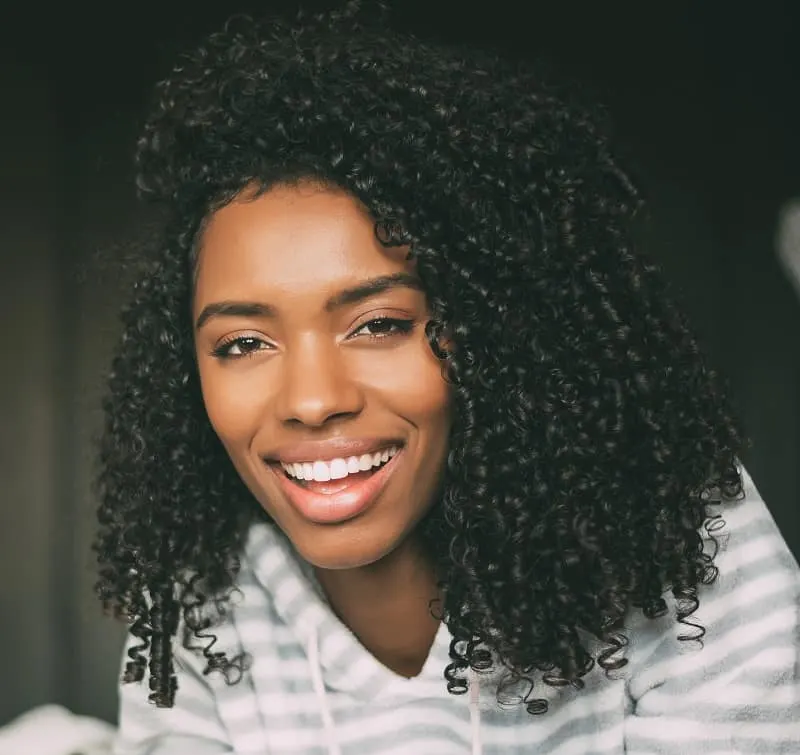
(333, 508)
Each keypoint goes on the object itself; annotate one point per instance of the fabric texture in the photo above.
(312, 689)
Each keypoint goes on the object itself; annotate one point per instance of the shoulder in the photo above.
(751, 610)
(753, 558)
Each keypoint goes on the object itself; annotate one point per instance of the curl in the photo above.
(590, 436)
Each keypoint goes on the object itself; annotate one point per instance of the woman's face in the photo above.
(317, 374)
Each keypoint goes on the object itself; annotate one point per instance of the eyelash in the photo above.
(401, 327)
(222, 351)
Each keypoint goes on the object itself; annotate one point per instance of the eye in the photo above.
(240, 346)
(383, 327)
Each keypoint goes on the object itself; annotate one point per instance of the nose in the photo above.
(316, 386)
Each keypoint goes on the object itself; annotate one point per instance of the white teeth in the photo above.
(322, 472)
(337, 469)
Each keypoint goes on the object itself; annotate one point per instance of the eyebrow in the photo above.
(353, 295)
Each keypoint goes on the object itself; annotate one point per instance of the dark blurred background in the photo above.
(705, 100)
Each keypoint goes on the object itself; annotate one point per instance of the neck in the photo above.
(387, 605)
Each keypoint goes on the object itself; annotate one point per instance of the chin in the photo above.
(342, 550)
(345, 562)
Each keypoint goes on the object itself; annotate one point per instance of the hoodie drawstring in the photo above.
(322, 695)
(475, 713)
(325, 709)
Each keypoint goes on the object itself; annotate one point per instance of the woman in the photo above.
(399, 414)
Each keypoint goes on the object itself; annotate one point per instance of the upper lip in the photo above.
(325, 450)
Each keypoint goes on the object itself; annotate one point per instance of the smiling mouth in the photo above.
(337, 490)
(337, 474)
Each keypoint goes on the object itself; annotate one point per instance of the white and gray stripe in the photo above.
(739, 693)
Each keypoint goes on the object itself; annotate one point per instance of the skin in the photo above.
(301, 370)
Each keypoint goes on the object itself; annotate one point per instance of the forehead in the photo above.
(290, 240)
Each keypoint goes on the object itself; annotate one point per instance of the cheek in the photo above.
(428, 400)
(231, 404)
(412, 386)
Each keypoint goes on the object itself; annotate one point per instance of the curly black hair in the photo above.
(589, 433)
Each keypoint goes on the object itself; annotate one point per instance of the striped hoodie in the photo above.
(312, 689)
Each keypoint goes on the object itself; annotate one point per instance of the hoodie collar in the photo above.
(300, 603)
(344, 663)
